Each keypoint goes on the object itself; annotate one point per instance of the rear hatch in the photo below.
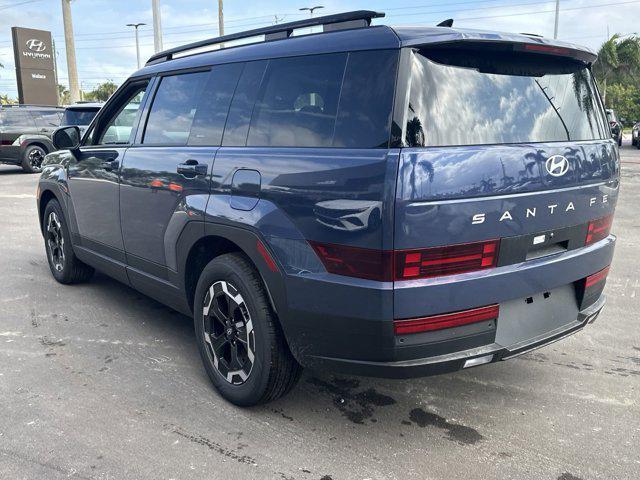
(507, 149)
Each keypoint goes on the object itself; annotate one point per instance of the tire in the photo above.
(63, 263)
(620, 140)
(32, 158)
(264, 368)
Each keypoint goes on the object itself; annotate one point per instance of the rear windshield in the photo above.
(78, 117)
(470, 98)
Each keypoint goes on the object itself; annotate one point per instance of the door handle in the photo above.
(191, 168)
(110, 165)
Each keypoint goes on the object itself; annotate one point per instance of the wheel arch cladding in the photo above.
(39, 143)
(45, 197)
(200, 254)
(221, 239)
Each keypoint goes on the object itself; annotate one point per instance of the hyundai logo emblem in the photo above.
(557, 165)
(36, 45)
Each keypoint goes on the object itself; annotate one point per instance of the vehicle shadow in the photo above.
(10, 170)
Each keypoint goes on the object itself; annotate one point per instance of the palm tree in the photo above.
(618, 59)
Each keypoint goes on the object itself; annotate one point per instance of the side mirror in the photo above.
(67, 138)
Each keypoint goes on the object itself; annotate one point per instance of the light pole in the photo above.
(136, 26)
(69, 43)
(555, 26)
(157, 25)
(220, 21)
(311, 10)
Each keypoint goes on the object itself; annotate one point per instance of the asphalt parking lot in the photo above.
(100, 382)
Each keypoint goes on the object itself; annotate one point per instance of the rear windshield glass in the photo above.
(469, 98)
(78, 117)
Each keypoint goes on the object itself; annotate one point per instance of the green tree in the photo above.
(618, 62)
(625, 100)
(5, 99)
(102, 92)
(64, 97)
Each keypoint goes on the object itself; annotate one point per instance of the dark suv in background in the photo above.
(25, 134)
(80, 114)
(615, 125)
(371, 200)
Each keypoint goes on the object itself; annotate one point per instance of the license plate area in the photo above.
(536, 245)
(531, 317)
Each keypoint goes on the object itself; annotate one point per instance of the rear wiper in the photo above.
(564, 125)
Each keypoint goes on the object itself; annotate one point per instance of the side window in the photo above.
(299, 101)
(46, 118)
(237, 127)
(16, 118)
(366, 103)
(213, 105)
(174, 108)
(118, 128)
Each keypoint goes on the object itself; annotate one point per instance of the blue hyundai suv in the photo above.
(392, 202)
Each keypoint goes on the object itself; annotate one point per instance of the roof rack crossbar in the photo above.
(355, 19)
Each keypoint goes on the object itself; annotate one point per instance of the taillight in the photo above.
(596, 278)
(449, 260)
(599, 229)
(447, 320)
(409, 264)
(355, 262)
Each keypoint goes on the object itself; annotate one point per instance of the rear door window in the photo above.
(237, 126)
(298, 103)
(174, 108)
(477, 98)
(47, 118)
(213, 106)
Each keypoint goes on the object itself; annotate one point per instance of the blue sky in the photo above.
(105, 47)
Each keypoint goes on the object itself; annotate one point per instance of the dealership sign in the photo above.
(35, 66)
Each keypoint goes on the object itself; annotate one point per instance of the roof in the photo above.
(370, 38)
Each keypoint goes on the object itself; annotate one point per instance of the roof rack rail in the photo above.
(17, 105)
(340, 21)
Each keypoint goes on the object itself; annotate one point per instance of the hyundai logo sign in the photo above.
(36, 45)
(557, 165)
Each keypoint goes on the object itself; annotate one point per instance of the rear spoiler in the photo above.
(440, 37)
(583, 56)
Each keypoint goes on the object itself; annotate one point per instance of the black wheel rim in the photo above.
(228, 332)
(36, 156)
(55, 241)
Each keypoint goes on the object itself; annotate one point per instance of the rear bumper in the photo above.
(458, 360)
(336, 323)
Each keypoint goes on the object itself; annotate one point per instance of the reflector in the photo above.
(447, 320)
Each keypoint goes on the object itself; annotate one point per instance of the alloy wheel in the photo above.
(228, 332)
(55, 241)
(36, 156)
